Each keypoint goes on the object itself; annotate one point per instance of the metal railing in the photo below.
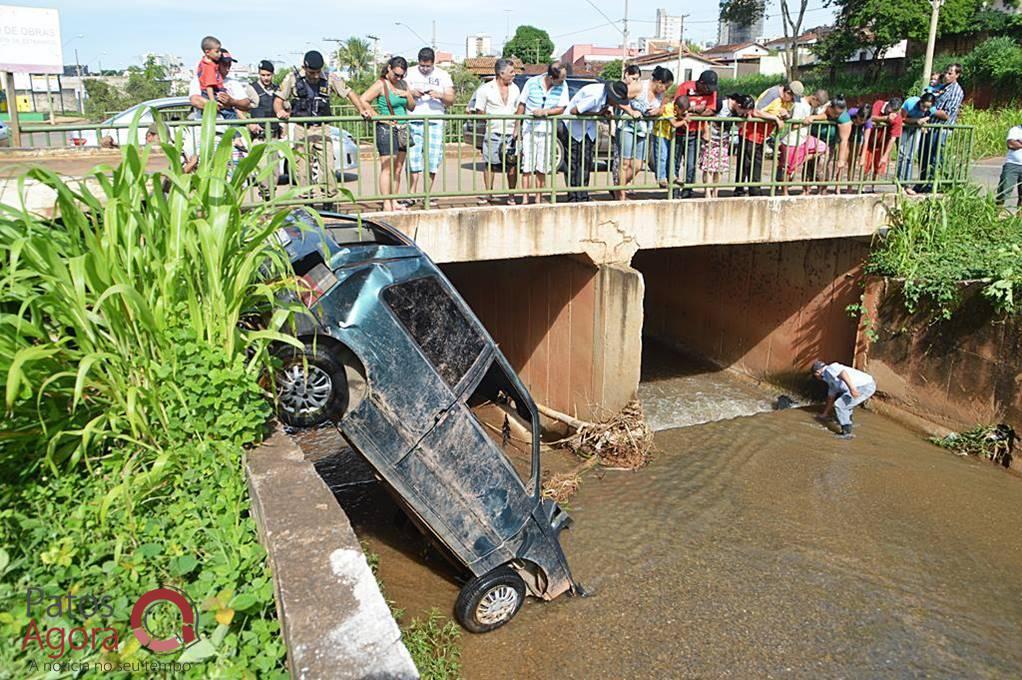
(566, 158)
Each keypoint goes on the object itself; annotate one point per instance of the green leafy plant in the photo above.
(433, 643)
(991, 442)
(940, 242)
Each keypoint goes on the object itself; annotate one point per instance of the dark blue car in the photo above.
(417, 386)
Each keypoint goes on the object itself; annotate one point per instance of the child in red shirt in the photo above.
(211, 80)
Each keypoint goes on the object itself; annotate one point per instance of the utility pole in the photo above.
(81, 89)
(376, 50)
(507, 28)
(931, 41)
(624, 39)
(433, 44)
(681, 49)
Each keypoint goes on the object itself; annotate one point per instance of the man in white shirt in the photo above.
(498, 97)
(544, 97)
(598, 99)
(846, 388)
(1011, 171)
(433, 90)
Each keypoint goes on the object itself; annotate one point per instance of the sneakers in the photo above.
(846, 432)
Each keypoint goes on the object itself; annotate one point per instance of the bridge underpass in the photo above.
(759, 285)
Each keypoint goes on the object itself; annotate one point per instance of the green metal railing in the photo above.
(575, 156)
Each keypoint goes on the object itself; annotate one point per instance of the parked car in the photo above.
(474, 131)
(396, 358)
(177, 109)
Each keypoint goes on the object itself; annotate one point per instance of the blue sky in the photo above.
(116, 33)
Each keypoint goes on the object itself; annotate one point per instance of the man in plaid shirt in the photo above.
(944, 112)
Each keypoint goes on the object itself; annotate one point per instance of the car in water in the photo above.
(393, 355)
(172, 109)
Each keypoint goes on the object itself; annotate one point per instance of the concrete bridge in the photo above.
(759, 285)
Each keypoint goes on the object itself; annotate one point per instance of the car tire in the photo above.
(559, 157)
(491, 600)
(311, 386)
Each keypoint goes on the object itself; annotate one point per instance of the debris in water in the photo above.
(624, 442)
(985, 441)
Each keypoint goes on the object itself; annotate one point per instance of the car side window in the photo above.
(505, 416)
(449, 339)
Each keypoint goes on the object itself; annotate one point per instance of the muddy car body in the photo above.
(411, 370)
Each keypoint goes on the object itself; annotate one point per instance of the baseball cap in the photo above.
(709, 80)
(797, 88)
(225, 57)
(266, 65)
(617, 91)
(313, 60)
(818, 366)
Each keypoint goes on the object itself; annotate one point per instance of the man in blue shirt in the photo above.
(916, 111)
(846, 388)
(945, 112)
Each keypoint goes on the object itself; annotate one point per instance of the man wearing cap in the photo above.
(774, 104)
(265, 92)
(702, 101)
(306, 94)
(598, 99)
(236, 95)
(847, 387)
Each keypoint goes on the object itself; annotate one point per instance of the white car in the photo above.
(178, 108)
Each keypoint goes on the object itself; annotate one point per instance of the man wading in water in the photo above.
(846, 389)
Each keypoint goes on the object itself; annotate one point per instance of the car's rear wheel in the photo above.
(312, 387)
(491, 600)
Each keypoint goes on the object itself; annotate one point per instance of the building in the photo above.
(748, 58)
(478, 45)
(669, 27)
(654, 45)
(683, 64)
(585, 58)
(483, 66)
(729, 33)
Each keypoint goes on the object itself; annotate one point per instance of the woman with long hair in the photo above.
(389, 96)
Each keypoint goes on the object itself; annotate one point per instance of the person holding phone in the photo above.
(433, 90)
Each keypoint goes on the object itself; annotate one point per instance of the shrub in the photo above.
(995, 61)
(991, 129)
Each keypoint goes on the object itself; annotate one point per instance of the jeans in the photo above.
(750, 165)
(660, 157)
(929, 160)
(690, 144)
(1011, 179)
(844, 404)
(580, 163)
(907, 149)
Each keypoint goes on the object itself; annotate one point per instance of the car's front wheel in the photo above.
(491, 600)
(312, 387)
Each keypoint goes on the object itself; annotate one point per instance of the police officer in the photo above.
(265, 92)
(304, 95)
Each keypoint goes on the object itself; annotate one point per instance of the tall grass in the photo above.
(991, 131)
(936, 243)
(93, 302)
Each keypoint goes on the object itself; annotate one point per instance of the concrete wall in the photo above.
(613, 231)
(766, 310)
(335, 621)
(958, 373)
(569, 328)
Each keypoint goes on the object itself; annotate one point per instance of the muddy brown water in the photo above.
(754, 546)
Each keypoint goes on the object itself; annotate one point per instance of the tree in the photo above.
(465, 84)
(612, 70)
(530, 44)
(101, 98)
(148, 81)
(748, 12)
(355, 55)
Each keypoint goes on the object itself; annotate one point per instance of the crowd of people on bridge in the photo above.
(686, 135)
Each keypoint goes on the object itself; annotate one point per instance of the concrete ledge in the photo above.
(335, 621)
(612, 231)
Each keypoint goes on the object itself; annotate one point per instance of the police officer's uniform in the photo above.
(309, 99)
(264, 97)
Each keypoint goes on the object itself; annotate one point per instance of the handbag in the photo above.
(400, 129)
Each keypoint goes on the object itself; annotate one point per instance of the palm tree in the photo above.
(355, 55)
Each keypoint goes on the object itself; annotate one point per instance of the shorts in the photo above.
(792, 157)
(631, 144)
(494, 150)
(416, 162)
(386, 140)
(536, 151)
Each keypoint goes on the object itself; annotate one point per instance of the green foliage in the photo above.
(93, 307)
(612, 70)
(982, 441)
(991, 129)
(356, 55)
(101, 97)
(742, 12)
(193, 532)
(995, 61)
(145, 82)
(530, 44)
(937, 243)
(465, 84)
(433, 643)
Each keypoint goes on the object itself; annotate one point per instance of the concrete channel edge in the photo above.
(334, 619)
